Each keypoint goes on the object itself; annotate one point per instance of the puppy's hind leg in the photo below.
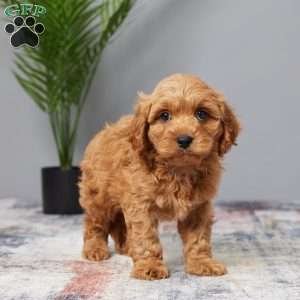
(96, 221)
(95, 238)
(118, 233)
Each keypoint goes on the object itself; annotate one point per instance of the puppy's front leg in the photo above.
(195, 232)
(144, 245)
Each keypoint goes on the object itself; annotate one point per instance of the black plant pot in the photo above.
(60, 190)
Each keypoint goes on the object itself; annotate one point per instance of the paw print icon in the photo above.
(24, 32)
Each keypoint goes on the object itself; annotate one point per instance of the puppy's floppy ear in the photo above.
(140, 125)
(231, 128)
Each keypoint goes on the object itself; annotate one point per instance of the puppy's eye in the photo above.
(201, 115)
(165, 116)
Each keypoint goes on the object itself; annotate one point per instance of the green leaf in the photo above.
(58, 74)
(33, 91)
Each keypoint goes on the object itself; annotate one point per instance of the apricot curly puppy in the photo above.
(162, 163)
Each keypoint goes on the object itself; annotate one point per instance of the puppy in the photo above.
(162, 163)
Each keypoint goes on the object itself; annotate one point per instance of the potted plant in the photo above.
(58, 74)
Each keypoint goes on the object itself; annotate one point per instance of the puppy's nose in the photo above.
(184, 141)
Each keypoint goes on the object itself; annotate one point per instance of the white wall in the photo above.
(248, 49)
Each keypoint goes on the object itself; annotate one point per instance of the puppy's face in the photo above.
(184, 121)
(184, 128)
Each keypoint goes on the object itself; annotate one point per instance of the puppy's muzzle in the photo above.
(184, 141)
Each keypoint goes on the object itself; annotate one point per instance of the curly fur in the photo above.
(135, 175)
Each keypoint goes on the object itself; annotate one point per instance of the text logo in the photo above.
(25, 9)
(24, 29)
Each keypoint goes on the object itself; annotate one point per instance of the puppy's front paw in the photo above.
(150, 269)
(205, 267)
(95, 249)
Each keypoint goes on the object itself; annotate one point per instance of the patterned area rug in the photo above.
(40, 258)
